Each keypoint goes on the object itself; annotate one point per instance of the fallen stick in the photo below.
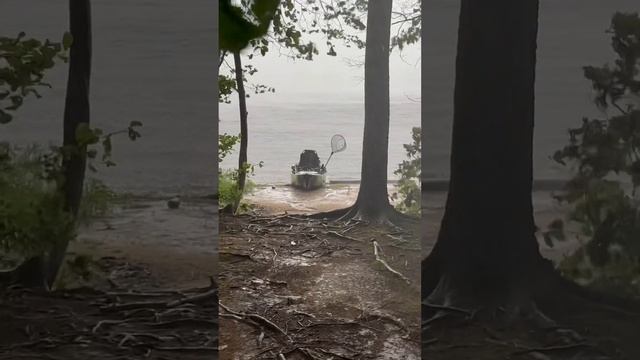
(381, 260)
(195, 299)
(257, 318)
(335, 233)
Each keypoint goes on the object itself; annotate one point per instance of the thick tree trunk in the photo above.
(76, 112)
(486, 249)
(373, 200)
(244, 132)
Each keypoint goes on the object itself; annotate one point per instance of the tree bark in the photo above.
(373, 199)
(244, 132)
(487, 249)
(76, 112)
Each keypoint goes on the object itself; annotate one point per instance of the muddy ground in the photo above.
(296, 288)
(136, 286)
(584, 330)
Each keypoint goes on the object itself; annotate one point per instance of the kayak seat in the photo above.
(309, 160)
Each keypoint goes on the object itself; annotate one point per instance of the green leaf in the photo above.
(236, 31)
(85, 135)
(106, 145)
(67, 40)
(5, 117)
(133, 135)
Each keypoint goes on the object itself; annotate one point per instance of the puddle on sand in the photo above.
(149, 223)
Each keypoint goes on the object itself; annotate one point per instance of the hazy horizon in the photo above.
(314, 100)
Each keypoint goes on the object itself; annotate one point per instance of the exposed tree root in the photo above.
(386, 215)
(317, 326)
(549, 294)
(256, 318)
(77, 326)
(383, 262)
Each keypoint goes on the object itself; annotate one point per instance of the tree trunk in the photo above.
(373, 199)
(76, 112)
(487, 250)
(244, 133)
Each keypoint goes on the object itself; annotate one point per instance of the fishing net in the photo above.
(338, 143)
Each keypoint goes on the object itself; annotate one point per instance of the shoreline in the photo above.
(275, 199)
(176, 246)
(434, 184)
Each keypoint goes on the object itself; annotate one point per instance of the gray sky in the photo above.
(330, 77)
(333, 77)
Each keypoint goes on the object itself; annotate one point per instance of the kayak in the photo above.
(308, 180)
(309, 173)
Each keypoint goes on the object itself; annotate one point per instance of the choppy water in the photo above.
(571, 35)
(278, 134)
(153, 62)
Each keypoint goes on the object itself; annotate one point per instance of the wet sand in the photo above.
(146, 292)
(283, 198)
(312, 278)
(178, 246)
(323, 283)
(273, 199)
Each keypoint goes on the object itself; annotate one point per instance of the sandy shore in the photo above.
(179, 247)
(280, 198)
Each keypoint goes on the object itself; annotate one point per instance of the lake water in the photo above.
(571, 35)
(279, 132)
(153, 62)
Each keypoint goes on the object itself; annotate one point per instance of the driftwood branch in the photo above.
(383, 262)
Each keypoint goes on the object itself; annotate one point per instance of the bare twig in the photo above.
(257, 318)
(383, 262)
(335, 233)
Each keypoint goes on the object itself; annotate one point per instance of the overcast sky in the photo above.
(330, 77)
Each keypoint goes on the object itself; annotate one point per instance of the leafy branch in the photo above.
(604, 156)
(408, 192)
(23, 63)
